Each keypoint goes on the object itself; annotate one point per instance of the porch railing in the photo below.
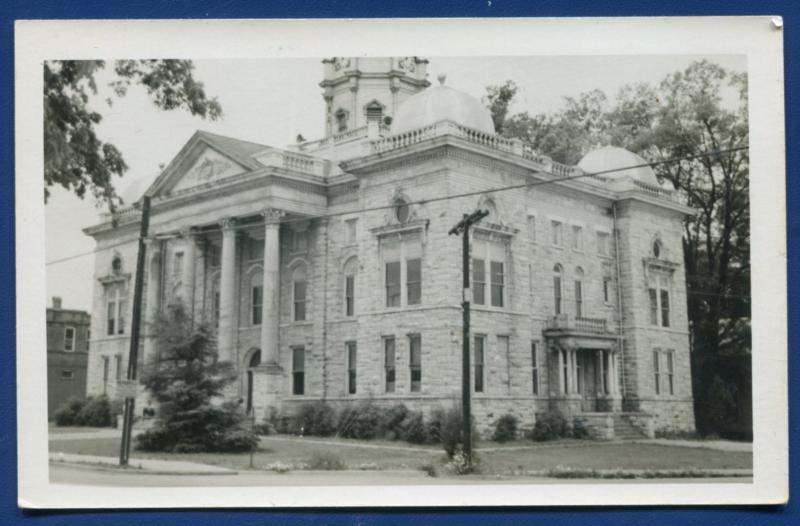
(578, 323)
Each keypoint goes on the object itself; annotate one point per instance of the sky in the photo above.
(271, 101)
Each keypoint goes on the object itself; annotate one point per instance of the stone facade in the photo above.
(67, 352)
(354, 230)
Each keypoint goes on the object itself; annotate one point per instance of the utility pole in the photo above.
(462, 227)
(133, 355)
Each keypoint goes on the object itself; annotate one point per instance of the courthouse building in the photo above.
(327, 268)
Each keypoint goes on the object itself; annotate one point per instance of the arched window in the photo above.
(299, 293)
(215, 298)
(557, 290)
(350, 271)
(116, 265)
(579, 292)
(256, 296)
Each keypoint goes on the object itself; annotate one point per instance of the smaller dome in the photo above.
(442, 103)
(614, 158)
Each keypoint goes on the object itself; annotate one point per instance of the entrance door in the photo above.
(587, 387)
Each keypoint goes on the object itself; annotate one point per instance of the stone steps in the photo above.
(624, 430)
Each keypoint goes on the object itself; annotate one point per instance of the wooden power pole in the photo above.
(462, 227)
(133, 355)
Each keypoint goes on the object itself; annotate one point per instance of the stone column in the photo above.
(188, 271)
(562, 388)
(572, 376)
(270, 317)
(614, 382)
(226, 335)
(153, 300)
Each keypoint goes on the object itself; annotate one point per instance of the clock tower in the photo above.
(361, 89)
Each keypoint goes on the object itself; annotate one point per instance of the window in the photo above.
(564, 371)
(497, 283)
(578, 292)
(389, 364)
(670, 373)
(350, 269)
(118, 367)
(479, 363)
(656, 249)
(557, 233)
(341, 121)
(602, 244)
(393, 284)
(115, 309)
(256, 297)
(177, 264)
(577, 238)
(532, 229)
(658, 294)
(535, 367)
(116, 265)
(657, 371)
(351, 366)
(299, 241)
(401, 211)
(298, 370)
(414, 280)
(415, 362)
(105, 374)
(299, 293)
(67, 374)
(350, 231)
(607, 289)
(69, 339)
(478, 281)
(557, 288)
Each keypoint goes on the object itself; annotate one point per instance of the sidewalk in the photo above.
(720, 445)
(149, 466)
(89, 435)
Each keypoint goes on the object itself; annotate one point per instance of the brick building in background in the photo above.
(67, 354)
(328, 271)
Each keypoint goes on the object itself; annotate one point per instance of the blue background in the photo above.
(77, 9)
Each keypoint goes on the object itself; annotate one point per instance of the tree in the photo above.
(682, 117)
(188, 383)
(75, 157)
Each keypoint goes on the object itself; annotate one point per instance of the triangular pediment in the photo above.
(206, 158)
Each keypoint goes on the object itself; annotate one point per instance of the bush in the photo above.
(415, 431)
(315, 419)
(393, 422)
(96, 412)
(361, 421)
(326, 461)
(445, 427)
(67, 413)
(580, 428)
(549, 426)
(505, 428)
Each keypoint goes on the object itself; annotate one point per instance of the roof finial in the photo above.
(441, 78)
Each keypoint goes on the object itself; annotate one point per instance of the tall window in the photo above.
(299, 293)
(670, 372)
(557, 271)
(415, 362)
(69, 339)
(105, 374)
(498, 281)
(115, 309)
(557, 233)
(564, 371)
(352, 351)
(393, 284)
(577, 238)
(350, 231)
(177, 264)
(298, 370)
(579, 292)
(532, 229)
(479, 363)
(350, 269)
(389, 364)
(118, 367)
(414, 280)
(603, 244)
(658, 294)
(535, 367)
(657, 371)
(256, 297)
(478, 281)
(607, 289)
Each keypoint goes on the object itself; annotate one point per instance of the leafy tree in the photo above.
(188, 383)
(682, 117)
(75, 157)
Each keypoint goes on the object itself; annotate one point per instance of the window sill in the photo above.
(305, 323)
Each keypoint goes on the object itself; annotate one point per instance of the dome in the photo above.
(612, 158)
(438, 104)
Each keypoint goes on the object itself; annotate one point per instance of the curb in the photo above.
(99, 466)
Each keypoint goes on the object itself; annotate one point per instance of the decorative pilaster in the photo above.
(153, 300)
(226, 335)
(270, 321)
(188, 271)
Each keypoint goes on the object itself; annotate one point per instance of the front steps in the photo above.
(617, 426)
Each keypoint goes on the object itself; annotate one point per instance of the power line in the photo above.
(447, 197)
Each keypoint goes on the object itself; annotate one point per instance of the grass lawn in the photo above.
(56, 430)
(398, 455)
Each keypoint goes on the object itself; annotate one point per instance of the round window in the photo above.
(401, 211)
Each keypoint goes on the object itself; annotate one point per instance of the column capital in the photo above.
(272, 215)
(227, 223)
